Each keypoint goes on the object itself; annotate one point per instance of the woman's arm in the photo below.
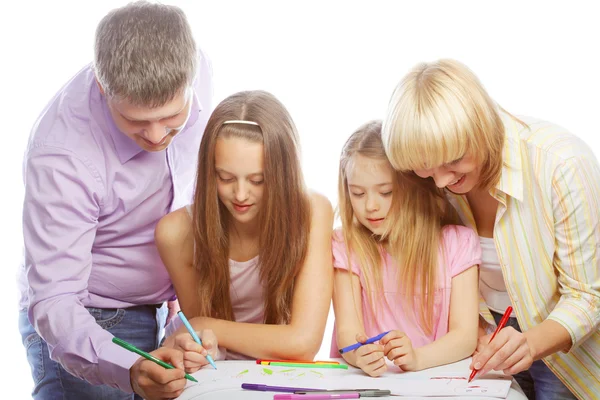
(302, 337)
(575, 199)
(461, 339)
(576, 209)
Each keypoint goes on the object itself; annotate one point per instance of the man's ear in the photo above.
(100, 86)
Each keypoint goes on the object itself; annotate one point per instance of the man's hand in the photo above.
(153, 382)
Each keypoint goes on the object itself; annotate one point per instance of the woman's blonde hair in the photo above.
(284, 218)
(438, 113)
(414, 223)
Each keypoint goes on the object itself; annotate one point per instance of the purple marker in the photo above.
(267, 388)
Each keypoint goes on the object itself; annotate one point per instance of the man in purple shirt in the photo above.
(113, 152)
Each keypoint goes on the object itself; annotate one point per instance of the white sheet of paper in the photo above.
(437, 382)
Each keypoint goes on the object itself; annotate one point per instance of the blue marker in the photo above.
(195, 337)
(368, 341)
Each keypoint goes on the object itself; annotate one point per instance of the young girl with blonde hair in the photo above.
(531, 190)
(400, 265)
(251, 257)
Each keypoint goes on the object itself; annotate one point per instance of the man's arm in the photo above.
(63, 196)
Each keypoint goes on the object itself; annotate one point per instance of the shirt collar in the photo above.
(127, 148)
(511, 176)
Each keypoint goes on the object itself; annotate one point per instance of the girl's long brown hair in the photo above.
(284, 218)
(414, 223)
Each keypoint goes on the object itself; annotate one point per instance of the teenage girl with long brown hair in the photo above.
(251, 257)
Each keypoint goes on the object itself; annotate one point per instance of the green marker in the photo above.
(307, 365)
(132, 348)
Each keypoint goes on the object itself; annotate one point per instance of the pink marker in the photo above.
(316, 396)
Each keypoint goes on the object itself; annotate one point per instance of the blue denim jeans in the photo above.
(141, 326)
(538, 382)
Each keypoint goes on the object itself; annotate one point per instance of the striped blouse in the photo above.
(547, 233)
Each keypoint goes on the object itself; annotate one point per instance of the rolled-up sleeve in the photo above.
(576, 205)
(63, 197)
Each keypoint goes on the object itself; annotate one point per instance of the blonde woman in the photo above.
(400, 266)
(251, 257)
(532, 192)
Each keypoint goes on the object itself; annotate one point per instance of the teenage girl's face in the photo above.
(459, 176)
(370, 186)
(240, 177)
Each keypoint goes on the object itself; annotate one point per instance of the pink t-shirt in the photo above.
(459, 252)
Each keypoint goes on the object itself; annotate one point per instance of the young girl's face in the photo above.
(370, 187)
(240, 177)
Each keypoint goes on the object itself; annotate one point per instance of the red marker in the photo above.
(503, 322)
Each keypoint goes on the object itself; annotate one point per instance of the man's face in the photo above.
(152, 129)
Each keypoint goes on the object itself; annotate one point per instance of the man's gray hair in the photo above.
(145, 53)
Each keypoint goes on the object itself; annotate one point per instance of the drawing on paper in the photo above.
(287, 372)
(318, 374)
(241, 373)
(449, 379)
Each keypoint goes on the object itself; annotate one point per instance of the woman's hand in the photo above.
(509, 352)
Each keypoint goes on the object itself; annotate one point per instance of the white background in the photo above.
(333, 64)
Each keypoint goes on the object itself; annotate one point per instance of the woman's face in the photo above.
(240, 177)
(459, 176)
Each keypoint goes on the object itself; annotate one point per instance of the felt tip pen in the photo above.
(132, 348)
(503, 322)
(296, 365)
(316, 396)
(266, 362)
(195, 337)
(359, 344)
(361, 392)
(267, 388)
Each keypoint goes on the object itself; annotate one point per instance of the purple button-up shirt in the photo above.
(92, 200)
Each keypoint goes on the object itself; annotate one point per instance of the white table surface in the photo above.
(231, 388)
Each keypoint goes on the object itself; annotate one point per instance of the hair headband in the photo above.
(239, 121)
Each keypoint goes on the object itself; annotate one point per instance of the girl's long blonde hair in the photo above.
(414, 223)
(284, 218)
